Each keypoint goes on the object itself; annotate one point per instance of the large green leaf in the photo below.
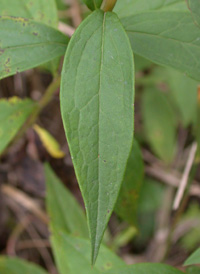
(159, 124)
(97, 91)
(93, 4)
(26, 44)
(194, 6)
(194, 258)
(43, 11)
(145, 268)
(126, 206)
(13, 114)
(73, 256)
(184, 93)
(129, 7)
(64, 211)
(17, 266)
(167, 38)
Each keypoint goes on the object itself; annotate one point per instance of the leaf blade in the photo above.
(74, 248)
(160, 130)
(167, 38)
(126, 8)
(43, 11)
(194, 258)
(15, 266)
(38, 44)
(143, 268)
(58, 201)
(93, 4)
(126, 205)
(194, 7)
(94, 95)
(14, 112)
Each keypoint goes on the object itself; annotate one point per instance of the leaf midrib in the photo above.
(164, 37)
(99, 109)
(34, 45)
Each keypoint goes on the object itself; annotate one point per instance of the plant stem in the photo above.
(108, 5)
(41, 104)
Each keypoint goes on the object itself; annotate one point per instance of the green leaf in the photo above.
(60, 203)
(16, 266)
(150, 201)
(73, 256)
(13, 114)
(126, 206)
(129, 7)
(194, 258)
(184, 93)
(159, 124)
(166, 38)
(191, 239)
(145, 268)
(194, 7)
(43, 11)
(93, 4)
(97, 91)
(32, 44)
(193, 270)
(151, 196)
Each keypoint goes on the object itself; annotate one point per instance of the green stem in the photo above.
(108, 5)
(42, 103)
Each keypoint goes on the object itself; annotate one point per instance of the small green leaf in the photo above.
(129, 7)
(32, 44)
(97, 91)
(194, 6)
(159, 124)
(43, 11)
(18, 266)
(60, 203)
(73, 256)
(93, 4)
(184, 93)
(151, 196)
(13, 114)
(166, 38)
(150, 201)
(194, 258)
(145, 268)
(189, 241)
(126, 206)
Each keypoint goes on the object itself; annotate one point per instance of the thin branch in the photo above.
(25, 201)
(171, 178)
(184, 180)
(66, 29)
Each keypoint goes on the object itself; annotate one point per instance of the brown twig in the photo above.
(24, 200)
(15, 235)
(184, 180)
(66, 29)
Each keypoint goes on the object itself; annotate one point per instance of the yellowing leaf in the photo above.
(51, 145)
